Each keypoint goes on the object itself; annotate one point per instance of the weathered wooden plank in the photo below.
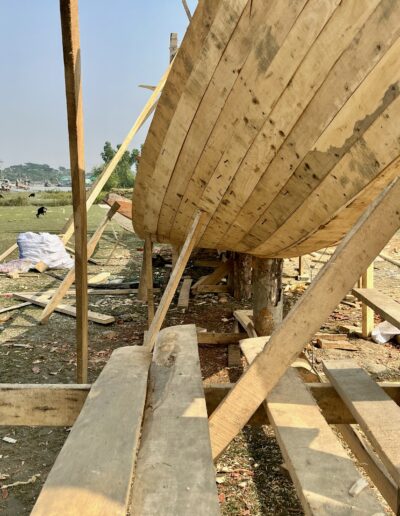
(184, 294)
(174, 472)
(169, 292)
(383, 305)
(41, 405)
(362, 244)
(67, 309)
(212, 289)
(93, 472)
(215, 277)
(374, 411)
(205, 337)
(320, 468)
(244, 318)
(14, 307)
(148, 247)
(367, 323)
(73, 89)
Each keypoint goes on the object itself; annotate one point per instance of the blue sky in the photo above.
(124, 43)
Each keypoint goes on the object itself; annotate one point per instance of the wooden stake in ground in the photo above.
(194, 235)
(361, 245)
(149, 278)
(267, 294)
(70, 277)
(142, 290)
(367, 281)
(72, 69)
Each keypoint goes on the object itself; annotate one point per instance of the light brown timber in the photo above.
(387, 308)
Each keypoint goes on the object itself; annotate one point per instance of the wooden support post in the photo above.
(357, 250)
(142, 290)
(117, 241)
(194, 235)
(187, 10)
(267, 294)
(242, 265)
(149, 279)
(72, 69)
(367, 281)
(175, 255)
(72, 276)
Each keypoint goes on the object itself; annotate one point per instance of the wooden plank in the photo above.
(175, 472)
(99, 278)
(215, 277)
(73, 89)
(93, 472)
(234, 356)
(212, 289)
(14, 307)
(6, 253)
(41, 405)
(219, 338)
(320, 468)
(371, 463)
(173, 282)
(383, 305)
(73, 276)
(207, 263)
(362, 244)
(184, 294)
(244, 318)
(374, 411)
(142, 291)
(367, 322)
(148, 246)
(67, 309)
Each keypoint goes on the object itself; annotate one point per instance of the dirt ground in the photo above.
(250, 480)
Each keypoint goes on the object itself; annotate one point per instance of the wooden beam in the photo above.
(149, 279)
(219, 338)
(318, 464)
(71, 276)
(245, 319)
(184, 294)
(73, 88)
(66, 309)
(6, 253)
(98, 185)
(215, 277)
(187, 10)
(194, 234)
(387, 308)
(374, 411)
(361, 245)
(93, 471)
(41, 405)
(367, 281)
(14, 307)
(142, 291)
(212, 289)
(174, 473)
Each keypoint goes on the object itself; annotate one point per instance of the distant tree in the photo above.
(123, 176)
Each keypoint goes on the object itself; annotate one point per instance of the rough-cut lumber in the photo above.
(244, 318)
(41, 405)
(148, 248)
(142, 291)
(215, 277)
(362, 244)
(184, 294)
(92, 473)
(383, 305)
(98, 279)
(372, 465)
(125, 207)
(390, 259)
(205, 337)
(374, 411)
(169, 292)
(6, 253)
(319, 466)
(67, 309)
(14, 307)
(212, 289)
(73, 89)
(72, 275)
(174, 472)
(367, 324)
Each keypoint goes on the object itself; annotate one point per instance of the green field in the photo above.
(18, 219)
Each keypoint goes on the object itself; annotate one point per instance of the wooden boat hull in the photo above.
(280, 119)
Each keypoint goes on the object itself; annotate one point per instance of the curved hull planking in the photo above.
(279, 119)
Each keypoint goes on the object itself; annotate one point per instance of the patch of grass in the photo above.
(49, 198)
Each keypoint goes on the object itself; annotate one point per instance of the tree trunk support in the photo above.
(241, 276)
(267, 294)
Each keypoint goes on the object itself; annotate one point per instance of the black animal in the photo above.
(31, 195)
(41, 211)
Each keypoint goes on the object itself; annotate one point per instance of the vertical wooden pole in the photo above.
(175, 255)
(149, 278)
(267, 294)
(242, 265)
(72, 69)
(142, 290)
(300, 266)
(367, 281)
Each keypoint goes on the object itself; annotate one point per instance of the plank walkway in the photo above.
(382, 304)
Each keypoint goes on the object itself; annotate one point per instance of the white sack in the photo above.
(44, 247)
